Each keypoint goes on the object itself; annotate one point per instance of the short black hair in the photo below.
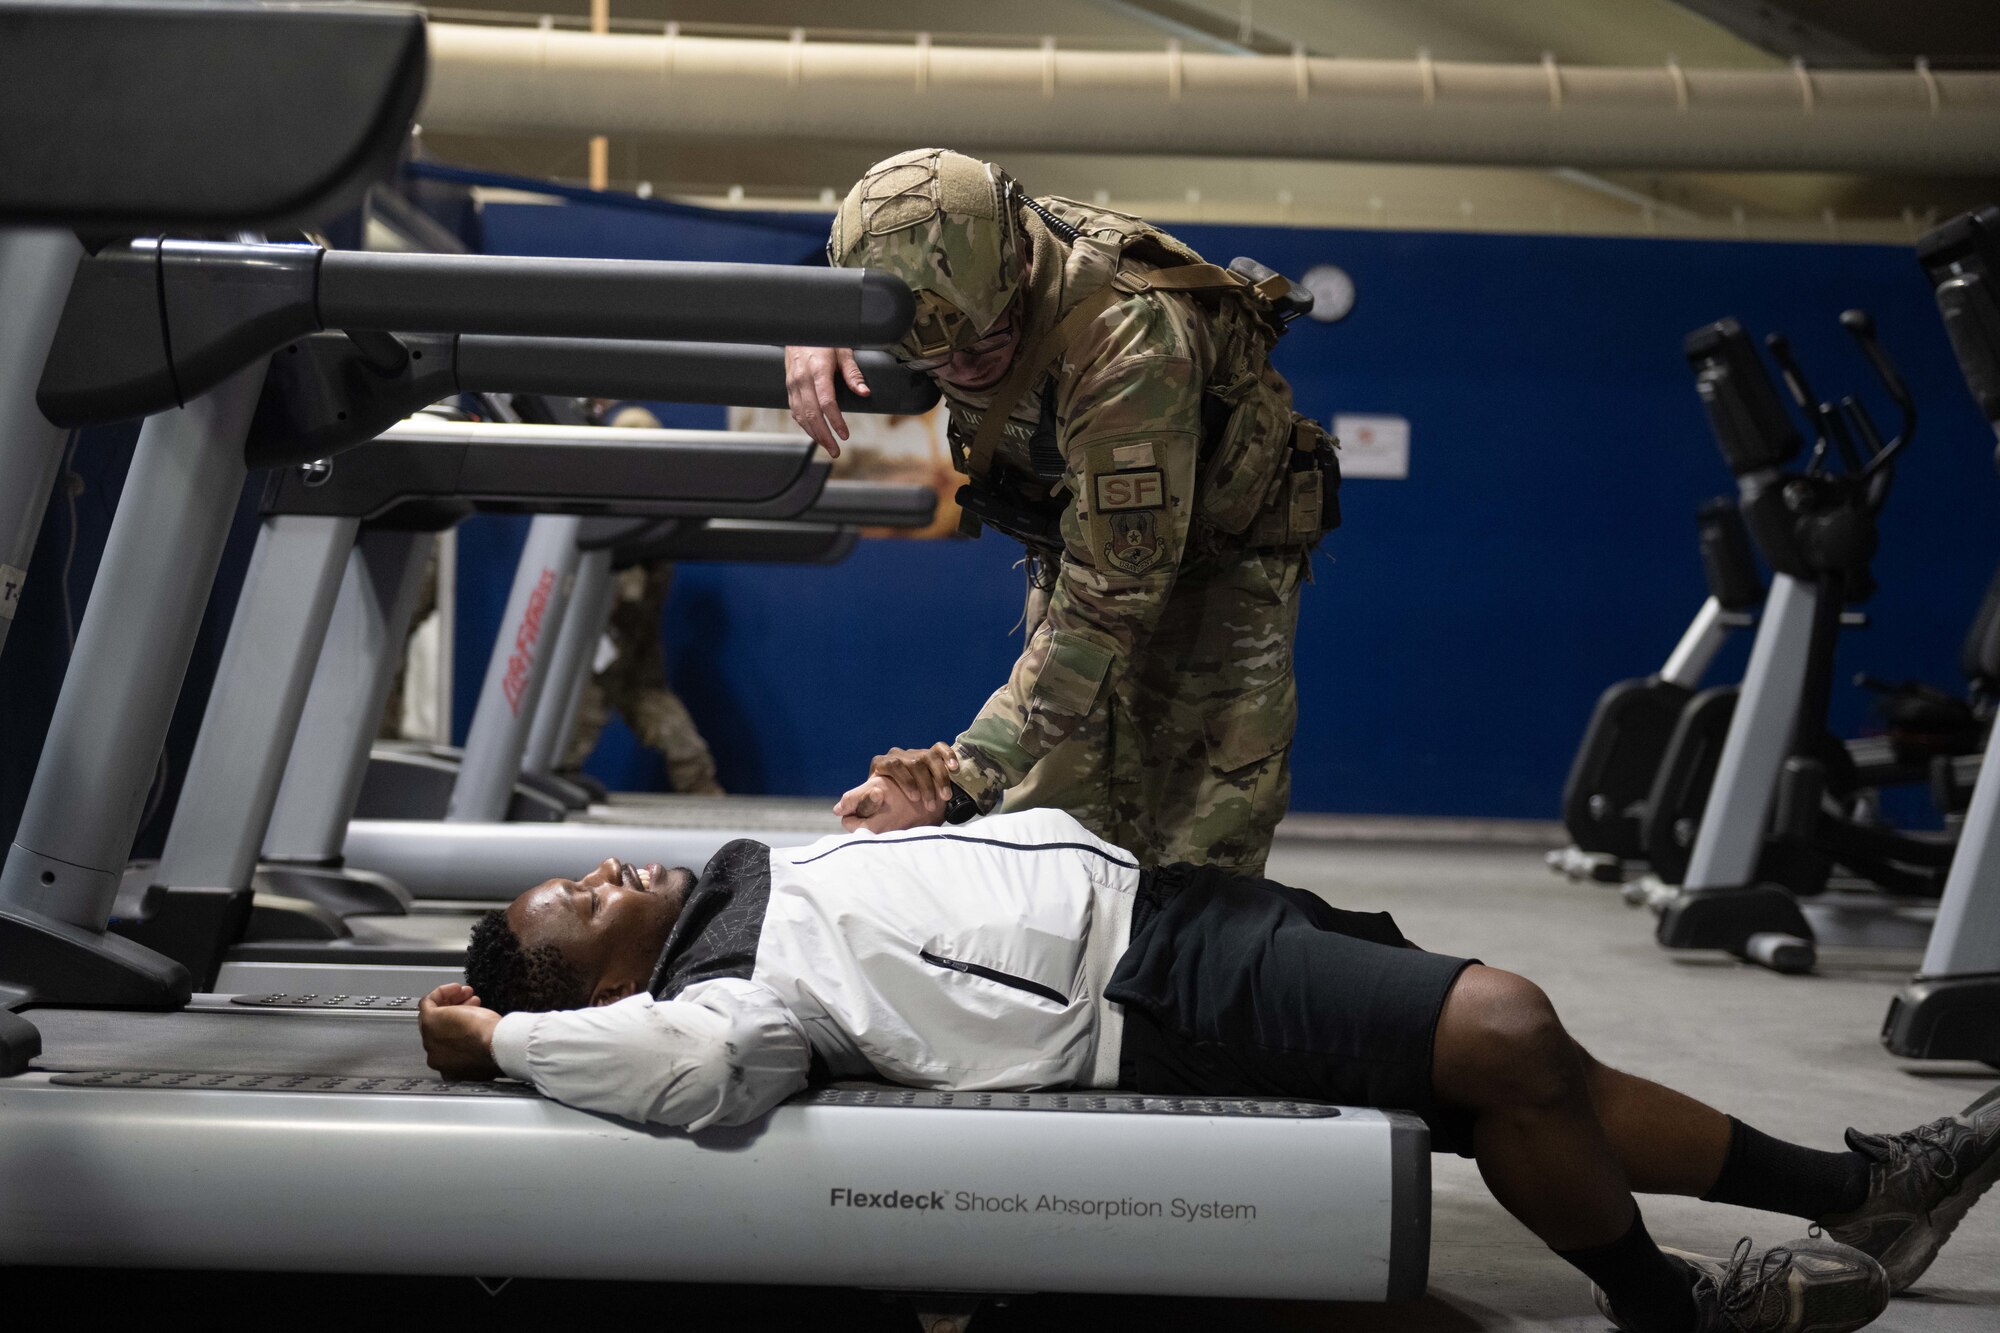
(506, 975)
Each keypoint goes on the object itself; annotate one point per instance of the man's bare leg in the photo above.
(1563, 1140)
(1668, 1142)
(1502, 1053)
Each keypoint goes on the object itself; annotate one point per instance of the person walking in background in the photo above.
(633, 681)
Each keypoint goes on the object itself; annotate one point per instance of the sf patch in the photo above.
(1118, 491)
(1135, 545)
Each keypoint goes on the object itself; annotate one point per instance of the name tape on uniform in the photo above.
(1131, 490)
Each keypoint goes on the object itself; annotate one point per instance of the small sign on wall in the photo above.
(1373, 446)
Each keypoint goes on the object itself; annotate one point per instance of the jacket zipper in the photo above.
(994, 974)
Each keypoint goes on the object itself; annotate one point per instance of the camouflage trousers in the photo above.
(1188, 756)
(634, 685)
(657, 717)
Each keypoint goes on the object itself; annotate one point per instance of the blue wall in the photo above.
(1465, 619)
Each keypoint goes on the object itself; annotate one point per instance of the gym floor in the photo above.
(1796, 1056)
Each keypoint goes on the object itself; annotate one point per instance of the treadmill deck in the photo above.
(229, 1136)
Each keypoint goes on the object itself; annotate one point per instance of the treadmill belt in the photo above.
(375, 1004)
(887, 1095)
(313, 1050)
(248, 1042)
(1113, 1103)
(404, 1087)
(753, 814)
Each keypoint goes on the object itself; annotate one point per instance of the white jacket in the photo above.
(972, 957)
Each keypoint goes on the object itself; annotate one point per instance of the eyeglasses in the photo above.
(992, 342)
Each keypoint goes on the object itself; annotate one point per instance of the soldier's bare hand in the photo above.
(879, 806)
(924, 776)
(810, 389)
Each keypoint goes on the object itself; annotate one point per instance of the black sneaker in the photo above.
(1809, 1286)
(1920, 1183)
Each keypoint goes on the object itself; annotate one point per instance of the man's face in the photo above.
(985, 363)
(588, 918)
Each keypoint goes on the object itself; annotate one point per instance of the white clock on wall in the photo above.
(1332, 290)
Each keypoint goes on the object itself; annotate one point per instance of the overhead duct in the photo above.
(504, 80)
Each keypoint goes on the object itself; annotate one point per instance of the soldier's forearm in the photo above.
(988, 764)
(1094, 624)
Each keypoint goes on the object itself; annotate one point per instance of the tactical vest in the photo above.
(1267, 475)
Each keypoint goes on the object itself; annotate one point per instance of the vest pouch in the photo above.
(1305, 501)
(1244, 456)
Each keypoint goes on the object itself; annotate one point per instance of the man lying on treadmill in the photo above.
(1022, 952)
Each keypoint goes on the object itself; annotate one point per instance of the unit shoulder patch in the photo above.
(1131, 490)
(1136, 544)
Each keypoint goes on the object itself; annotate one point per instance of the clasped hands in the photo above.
(905, 789)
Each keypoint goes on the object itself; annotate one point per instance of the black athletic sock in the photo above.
(1652, 1291)
(1780, 1177)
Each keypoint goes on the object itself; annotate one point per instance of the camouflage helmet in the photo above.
(944, 223)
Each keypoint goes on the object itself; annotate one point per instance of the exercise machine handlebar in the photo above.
(151, 325)
(1861, 327)
(612, 298)
(675, 372)
(327, 392)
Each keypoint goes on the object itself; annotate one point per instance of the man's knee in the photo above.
(1507, 1046)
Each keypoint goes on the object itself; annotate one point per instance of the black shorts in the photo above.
(1246, 988)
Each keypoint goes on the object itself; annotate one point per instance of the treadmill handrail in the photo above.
(875, 504)
(152, 324)
(736, 375)
(613, 298)
(518, 467)
(823, 534)
(327, 391)
(743, 541)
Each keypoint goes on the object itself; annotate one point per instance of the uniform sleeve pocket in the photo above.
(1251, 730)
(1071, 676)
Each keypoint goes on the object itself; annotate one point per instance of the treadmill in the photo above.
(515, 746)
(145, 150)
(313, 923)
(861, 504)
(407, 780)
(459, 840)
(145, 1125)
(192, 904)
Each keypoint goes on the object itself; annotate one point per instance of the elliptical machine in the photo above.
(1638, 723)
(1767, 835)
(1950, 1009)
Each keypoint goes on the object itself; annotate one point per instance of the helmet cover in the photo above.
(944, 223)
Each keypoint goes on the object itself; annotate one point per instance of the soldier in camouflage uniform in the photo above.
(1169, 497)
(634, 682)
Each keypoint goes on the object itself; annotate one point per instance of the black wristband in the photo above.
(960, 807)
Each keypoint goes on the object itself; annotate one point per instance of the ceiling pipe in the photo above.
(516, 80)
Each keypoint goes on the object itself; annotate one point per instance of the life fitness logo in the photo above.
(515, 684)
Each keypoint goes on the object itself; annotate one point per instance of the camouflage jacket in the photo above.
(1127, 412)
